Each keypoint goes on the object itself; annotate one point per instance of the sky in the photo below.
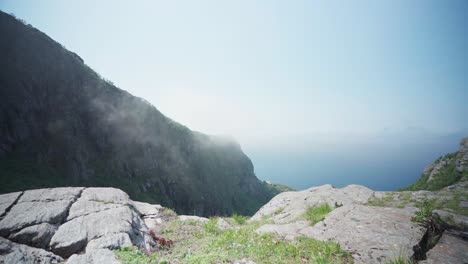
(316, 92)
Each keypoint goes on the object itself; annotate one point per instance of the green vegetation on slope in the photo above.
(444, 177)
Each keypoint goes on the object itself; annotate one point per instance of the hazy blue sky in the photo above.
(315, 91)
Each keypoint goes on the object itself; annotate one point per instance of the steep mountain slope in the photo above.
(61, 124)
(445, 171)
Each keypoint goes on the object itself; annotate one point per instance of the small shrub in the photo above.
(239, 219)
(317, 214)
(425, 210)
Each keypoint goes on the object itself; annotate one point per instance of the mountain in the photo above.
(445, 171)
(61, 124)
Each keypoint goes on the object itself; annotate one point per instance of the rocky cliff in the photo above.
(445, 171)
(103, 225)
(61, 124)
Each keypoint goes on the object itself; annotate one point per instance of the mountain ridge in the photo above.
(63, 125)
(446, 170)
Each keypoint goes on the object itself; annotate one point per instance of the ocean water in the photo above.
(384, 165)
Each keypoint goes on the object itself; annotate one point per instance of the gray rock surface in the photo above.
(74, 220)
(449, 250)
(193, 218)
(73, 236)
(100, 256)
(14, 253)
(36, 207)
(151, 214)
(7, 200)
(26, 214)
(457, 220)
(51, 194)
(114, 241)
(289, 206)
(94, 200)
(36, 235)
(370, 234)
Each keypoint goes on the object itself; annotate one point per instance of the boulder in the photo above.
(11, 252)
(289, 206)
(370, 234)
(73, 236)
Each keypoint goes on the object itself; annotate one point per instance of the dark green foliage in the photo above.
(61, 124)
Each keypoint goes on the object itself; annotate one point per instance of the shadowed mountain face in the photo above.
(61, 124)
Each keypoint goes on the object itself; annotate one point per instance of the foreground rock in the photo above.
(68, 221)
(449, 250)
(11, 252)
(85, 225)
(372, 234)
(289, 206)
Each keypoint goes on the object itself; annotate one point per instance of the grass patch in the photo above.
(317, 214)
(425, 210)
(244, 242)
(211, 245)
(400, 260)
(387, 200)
(131, 255)
(239, 219)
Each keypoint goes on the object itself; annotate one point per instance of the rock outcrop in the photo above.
(445, 171)
(85, 225)
(375, 227)
(50, 224)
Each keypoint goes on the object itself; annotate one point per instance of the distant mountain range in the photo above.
(61, 124)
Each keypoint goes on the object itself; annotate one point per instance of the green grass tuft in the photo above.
(317, 214)
(131, 255)
(425, 210)
(239, 219)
